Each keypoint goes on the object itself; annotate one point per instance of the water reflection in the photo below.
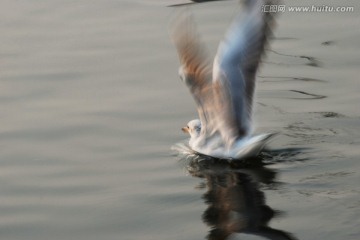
(235, 203)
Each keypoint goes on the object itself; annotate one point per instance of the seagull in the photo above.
(223, 89)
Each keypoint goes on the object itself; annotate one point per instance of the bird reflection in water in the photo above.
(235, 202)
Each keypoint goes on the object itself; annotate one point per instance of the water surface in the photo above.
(91, 104)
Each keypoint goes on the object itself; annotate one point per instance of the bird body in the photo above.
(224, 90)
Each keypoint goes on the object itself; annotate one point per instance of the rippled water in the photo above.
(91, 104)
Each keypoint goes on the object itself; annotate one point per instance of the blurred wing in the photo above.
(235, 67)
(196, 69)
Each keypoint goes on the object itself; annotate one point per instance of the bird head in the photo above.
(193, 128)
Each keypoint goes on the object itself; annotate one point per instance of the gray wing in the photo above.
(235, 67)
(196, 68)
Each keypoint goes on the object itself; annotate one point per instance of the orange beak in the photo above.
(185, 129)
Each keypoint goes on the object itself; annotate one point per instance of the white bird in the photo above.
(224, 91)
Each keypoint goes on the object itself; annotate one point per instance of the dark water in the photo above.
(91, 104)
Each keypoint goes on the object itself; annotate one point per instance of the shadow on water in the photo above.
(235, 203)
